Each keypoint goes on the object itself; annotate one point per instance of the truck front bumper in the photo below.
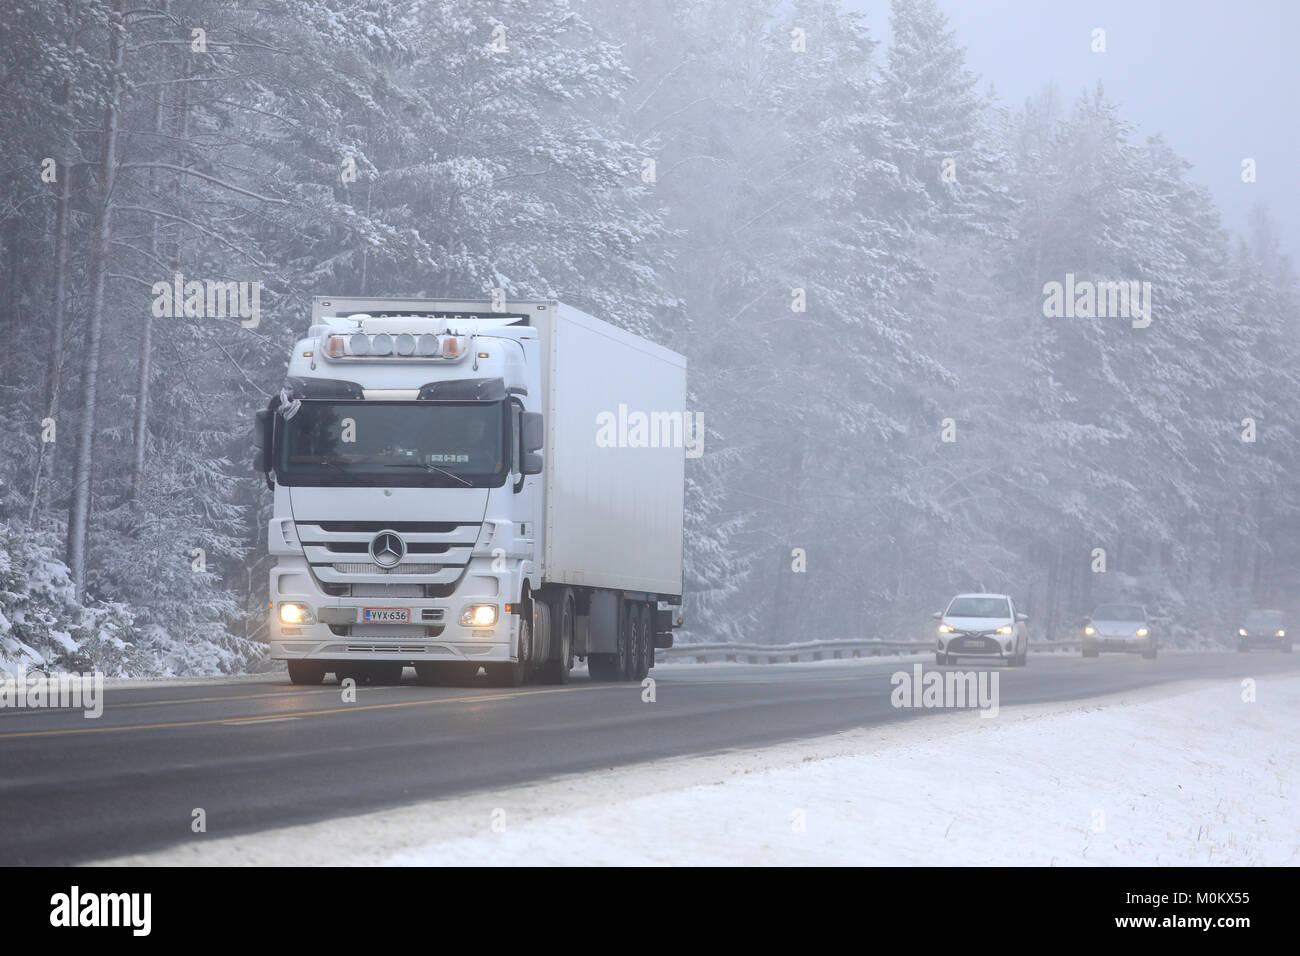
(360, 643)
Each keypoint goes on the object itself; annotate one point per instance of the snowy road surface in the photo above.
(262, 755)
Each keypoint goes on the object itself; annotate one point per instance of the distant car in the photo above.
(985, 626)
(1265, 629)
(1119, 627)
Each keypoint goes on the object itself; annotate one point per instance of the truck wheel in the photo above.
(511, 674)
(557, 670)
(647, 640)
(629, 650)
(306, 672)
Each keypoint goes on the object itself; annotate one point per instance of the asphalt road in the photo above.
(258, 754)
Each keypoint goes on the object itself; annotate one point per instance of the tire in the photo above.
(306, 672)
(512, 673)
(626, 646)
(1150, 652)
(1087, 652)
(1286, 648)
(1241, 647)
(940, 658)
(644, 642)
(1022, 659)
(560, 667)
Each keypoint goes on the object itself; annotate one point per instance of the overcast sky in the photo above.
(1219, 78)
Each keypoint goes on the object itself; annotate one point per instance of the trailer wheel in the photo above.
(558, 669)
(306, 672)
(629, 643)
(645, 643)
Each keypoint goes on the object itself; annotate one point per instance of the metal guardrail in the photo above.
(816, 651)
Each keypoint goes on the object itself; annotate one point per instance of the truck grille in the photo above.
(339, 557)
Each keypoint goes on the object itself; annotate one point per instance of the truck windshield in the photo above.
(393, 443)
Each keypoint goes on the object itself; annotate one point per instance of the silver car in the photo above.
(1266, 629)
(982, 625)
(1119, 627)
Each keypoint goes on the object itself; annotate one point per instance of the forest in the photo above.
(852, 242)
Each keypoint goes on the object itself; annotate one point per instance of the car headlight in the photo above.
(1281, 633)
(1005, 629)
(1241, 631)
(945, 629)
(1089, 630)
(293, 613)
(479, 615)
(1142, 632)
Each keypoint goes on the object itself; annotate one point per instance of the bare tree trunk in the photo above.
(79, 513)
(63, 205)
(54, 375)
(146, 335)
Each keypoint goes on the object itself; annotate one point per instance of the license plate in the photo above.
(385, 615)
(976, 643)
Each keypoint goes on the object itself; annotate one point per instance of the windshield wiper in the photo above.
(329, 464)
(427, 466)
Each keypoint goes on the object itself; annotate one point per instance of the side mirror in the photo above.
(532, 463)
(1021, 616)
(261, 455)
(937, 615)
(534, 437)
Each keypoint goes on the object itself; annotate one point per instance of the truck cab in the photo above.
(405, 456)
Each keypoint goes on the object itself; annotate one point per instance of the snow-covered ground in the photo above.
(1162, 776)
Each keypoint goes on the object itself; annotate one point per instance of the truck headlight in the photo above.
(293, 613)
(479, 615)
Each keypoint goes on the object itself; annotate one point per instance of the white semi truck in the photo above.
(457, 487)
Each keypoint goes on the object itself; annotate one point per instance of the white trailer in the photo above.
(460, 487)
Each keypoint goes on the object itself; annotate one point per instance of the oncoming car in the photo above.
(1119, 627)
(1265, 629)
(982, 625)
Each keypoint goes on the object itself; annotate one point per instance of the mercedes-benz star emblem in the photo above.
(387, 549)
